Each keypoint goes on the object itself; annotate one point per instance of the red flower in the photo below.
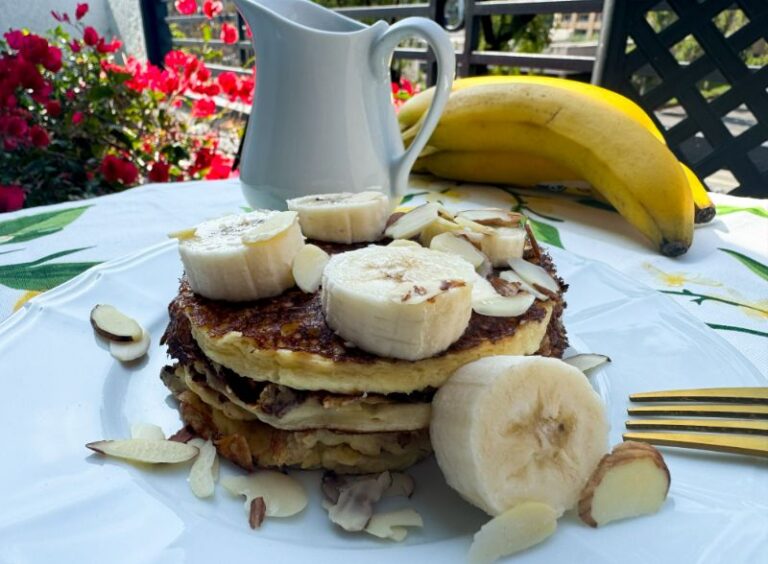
(34, 49)
(228, 83)
(53, 59)
(90, 36)
(15, 39)
(220, 168)
(204, 107)
(212, 8)
(39, 136)
(228, 33)
(53, 107)
(14, 126)
(111, 47)
(128, 172)
(74, 45)
(70, 94)
(81, 10)
(77, 117)
(11, 198)
(186, 7)
(115, 169)
(159, 171)
(60, 17)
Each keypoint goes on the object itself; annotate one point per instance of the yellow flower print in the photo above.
(678, 279)
(25, 297)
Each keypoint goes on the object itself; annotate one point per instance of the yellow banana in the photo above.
(619, 158)
(412, 111)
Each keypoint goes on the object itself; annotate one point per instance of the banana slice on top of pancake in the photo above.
(344, 217)
(242, 257)
(401, 302)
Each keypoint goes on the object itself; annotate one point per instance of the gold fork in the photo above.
(745, 434)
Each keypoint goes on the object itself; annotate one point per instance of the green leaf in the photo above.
(37, 225)
(207, 33)
(246, 209)
(408, 197)
(737, 329)
(39, 276)
(100, 92)
(757, 267)
(725, 210)
(43, 277)
(545, 233)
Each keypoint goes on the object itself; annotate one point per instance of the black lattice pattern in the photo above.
(639, 58)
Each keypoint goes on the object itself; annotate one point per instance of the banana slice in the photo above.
(400, 302)
(308, 265)
(508, 429)
(243, 257)
(505, 243)
(345, 217)
(457, 245)
(440, 225)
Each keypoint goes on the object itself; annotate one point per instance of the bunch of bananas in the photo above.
(531, 130)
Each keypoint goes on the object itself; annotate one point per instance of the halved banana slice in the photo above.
(504, 244)
(400, 302)
(344, 217)
(308, 265)
(509, 429)
(451, 243)
(413, 222)
(243, 257)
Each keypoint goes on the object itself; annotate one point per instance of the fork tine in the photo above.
(710, 410)
(735, 395)
(738, 444)
(725, 426)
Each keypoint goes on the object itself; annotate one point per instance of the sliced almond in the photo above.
(402, 485)
(515, 530)
(493, 217)
(308, 265)
(440, 225)
(283, 495)
(114, 325)
(354, 507)
(450, 243)
(467, 223)
(129, 351)
(587, 361)
(202, 478)
(147, 431)
(412, 223)
(403, 243)
(275, 225)
(535, 275)
(501, 306)
(512, 277)
(630, 481)
(444, 212)
(392, 524)
(183, 234)
(146, 450)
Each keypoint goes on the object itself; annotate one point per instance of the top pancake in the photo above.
(285, 340)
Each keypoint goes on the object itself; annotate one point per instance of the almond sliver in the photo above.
(146, 450)
(202, 476)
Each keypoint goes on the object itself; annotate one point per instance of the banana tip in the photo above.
(673, 248)
(704, 215)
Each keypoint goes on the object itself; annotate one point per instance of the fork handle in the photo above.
(737, 444)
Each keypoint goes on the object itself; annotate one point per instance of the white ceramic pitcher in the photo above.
(322, 118)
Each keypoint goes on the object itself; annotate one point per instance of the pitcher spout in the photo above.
(295, 13)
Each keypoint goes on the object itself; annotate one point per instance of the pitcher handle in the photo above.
(438, 39)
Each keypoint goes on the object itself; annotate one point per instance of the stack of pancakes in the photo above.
(274, 386)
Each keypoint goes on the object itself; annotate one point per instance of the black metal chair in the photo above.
(638, 60)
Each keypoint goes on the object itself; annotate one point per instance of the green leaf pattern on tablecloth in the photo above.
(37, 225)
(41, 274)
(725, 210)
(545, 233)
(757, 267)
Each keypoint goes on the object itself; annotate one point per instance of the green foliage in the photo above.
(37, 225)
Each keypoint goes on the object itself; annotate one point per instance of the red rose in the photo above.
(77, 117)
(204, 107)
(159, 171)
(220, 168)
(228, 83)
(70, 94)
(15, 39)
(212, 8)
(11, 198)
(90, 36)
(128, 172)
(15, 126)
(186, 7)
(39, 136)
(111, 168)
(75, 46)
(34, 49)
(53, 107)
(52, 60)
(81, 10)
(228, 33)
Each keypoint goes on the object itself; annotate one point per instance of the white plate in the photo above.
(59, 503)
